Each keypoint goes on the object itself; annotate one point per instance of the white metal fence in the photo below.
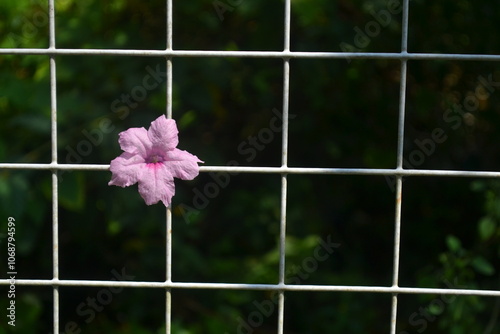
(281, 288)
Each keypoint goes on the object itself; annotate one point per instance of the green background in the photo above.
(345, 115)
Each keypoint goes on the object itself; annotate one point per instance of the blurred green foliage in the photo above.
(345, 114)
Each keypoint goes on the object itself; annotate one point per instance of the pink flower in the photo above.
(152, 160)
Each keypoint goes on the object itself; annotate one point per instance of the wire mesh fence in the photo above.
(278, 127)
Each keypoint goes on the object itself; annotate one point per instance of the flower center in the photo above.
(154, 158)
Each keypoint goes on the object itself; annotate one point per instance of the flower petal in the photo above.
(163, 134)
(126, 169)
(182, 164)
(156, 184)
(136, 141)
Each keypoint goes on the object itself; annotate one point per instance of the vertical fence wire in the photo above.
(284, 163)
(168, 232)
(53, 135)
(400, 152)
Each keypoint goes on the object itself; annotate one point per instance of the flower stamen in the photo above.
(154, 158)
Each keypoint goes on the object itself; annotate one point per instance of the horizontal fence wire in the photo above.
(284, 170)
(254, 287)
(278, 170)
(251, 54)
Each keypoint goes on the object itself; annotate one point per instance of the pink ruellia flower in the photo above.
(152, 160)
